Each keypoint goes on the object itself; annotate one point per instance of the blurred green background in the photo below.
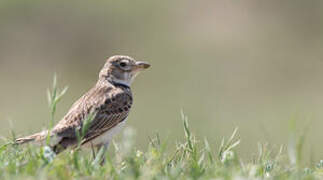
(247, 64)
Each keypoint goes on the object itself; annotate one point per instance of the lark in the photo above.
(109, 102)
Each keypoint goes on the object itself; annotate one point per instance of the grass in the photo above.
(190, 159)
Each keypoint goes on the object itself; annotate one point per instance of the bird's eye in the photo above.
(123, 64)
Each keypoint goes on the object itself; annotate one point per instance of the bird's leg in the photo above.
(103, 158)
(101, 151)
(93, 151)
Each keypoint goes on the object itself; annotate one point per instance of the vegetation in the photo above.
(190, 159)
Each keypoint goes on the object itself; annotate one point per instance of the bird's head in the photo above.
(122, 69)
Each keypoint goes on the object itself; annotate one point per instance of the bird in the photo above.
(108, 102)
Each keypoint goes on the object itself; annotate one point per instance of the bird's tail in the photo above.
(38, 137)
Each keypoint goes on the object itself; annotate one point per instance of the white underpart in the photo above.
(106, 137)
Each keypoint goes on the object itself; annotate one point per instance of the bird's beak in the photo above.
(142, 65)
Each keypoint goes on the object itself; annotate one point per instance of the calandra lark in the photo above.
(109, 101)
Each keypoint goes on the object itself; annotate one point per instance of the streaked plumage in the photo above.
(110, 100)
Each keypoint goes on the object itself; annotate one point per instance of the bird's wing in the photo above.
(110, 106)
(109, 115)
